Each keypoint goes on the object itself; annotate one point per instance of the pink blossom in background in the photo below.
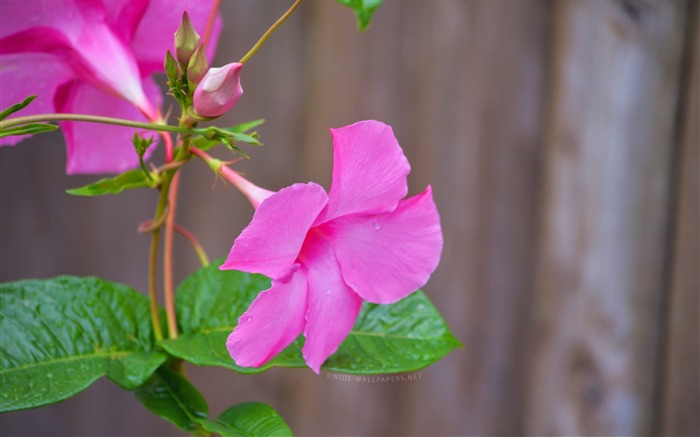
(326, 253)
(91, 57)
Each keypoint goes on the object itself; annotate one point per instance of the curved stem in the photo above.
(168, 258)
(269, 32)
(18, 121)
(201, 254)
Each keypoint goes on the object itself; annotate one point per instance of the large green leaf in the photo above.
(363, 10)
(114, 185)
(249, 419)
(61, 334)
(172, 397)
(401, 337)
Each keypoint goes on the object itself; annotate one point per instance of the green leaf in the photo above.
(16, 107)
(28, 129)
(249, 419)
(363, 10)
(405, 336)
(61, 334)
(238, 133)
(125, 181)
(171, 397)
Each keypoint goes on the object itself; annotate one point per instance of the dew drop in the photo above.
(328, 292)
(249, 318)
(377, 226)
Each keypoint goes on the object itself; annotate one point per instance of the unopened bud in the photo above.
(197, 67)
(186, 41)
(219, 90)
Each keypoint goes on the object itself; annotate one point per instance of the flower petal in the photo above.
(333, 306)
(97, 148)
(273, 321)
(155, 32)
(369, 170)
(18, 16)
(24, 75)
(272, 241)
(124, 16)
(78, 36)
(385, 257)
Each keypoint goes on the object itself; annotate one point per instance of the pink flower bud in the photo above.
(219, 90)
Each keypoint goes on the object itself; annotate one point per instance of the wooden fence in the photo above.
(561, 139)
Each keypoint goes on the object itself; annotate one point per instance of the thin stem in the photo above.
(201, 254)
(153, 258)
(153, 288)
(168, 258)
(18, 121)
(269, 32)
(210, 21)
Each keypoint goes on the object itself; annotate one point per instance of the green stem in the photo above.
(269, 32)
(201, 253)
(18, 121)
(168, 258)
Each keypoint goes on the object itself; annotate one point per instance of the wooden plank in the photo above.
(600, 274)
(681, 390)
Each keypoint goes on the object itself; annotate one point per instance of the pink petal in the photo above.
(386, 257)
(18, 16)
(77, 34)
(273, 321)
(97, 148)
(23, 75)
(272, 241)
(124, 16)
(155, 33)
(369, 170)
(333, 306)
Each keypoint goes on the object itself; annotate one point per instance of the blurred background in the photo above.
(561, 140)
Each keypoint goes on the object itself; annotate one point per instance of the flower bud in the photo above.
(197, 67)
(186, 41)
(219, 90)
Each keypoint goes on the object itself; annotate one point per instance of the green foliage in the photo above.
(28, 129)
(170, 396)
(249, 419)
(401, 337)
(363, 10)
(61, 334)
(16, 107)
(125, 181)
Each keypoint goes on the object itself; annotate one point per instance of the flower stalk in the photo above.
(270, 31)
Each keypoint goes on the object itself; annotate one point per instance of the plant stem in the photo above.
(201, 254)
(18, 121)
(269, 32)
(168, 258)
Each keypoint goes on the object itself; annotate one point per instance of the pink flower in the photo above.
(219, 90)
(90, 57)
(326, 253)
